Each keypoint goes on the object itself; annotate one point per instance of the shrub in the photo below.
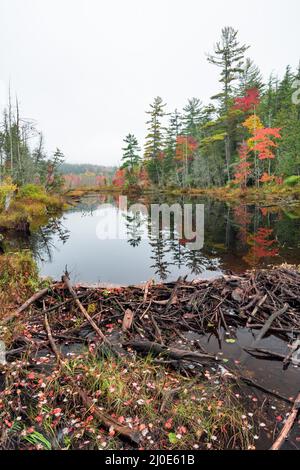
(292, 180)
(36, 193)
(5, 189)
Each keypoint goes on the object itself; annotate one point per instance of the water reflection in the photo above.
(236, 238)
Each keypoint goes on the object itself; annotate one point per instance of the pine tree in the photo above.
(131, 157)
(192, 117)
(154, 140)
(229, 57)
(249, 78)
(172, 132)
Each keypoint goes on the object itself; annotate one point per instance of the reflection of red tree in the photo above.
(243, 218)
(100, 180)
(262, 246)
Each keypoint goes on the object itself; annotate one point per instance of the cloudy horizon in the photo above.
(86, 71)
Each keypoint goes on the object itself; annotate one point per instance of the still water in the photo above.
(236, 238)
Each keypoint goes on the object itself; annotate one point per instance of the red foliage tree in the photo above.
(262, 142)
(119, 178)
(248, 102)
(185, 148)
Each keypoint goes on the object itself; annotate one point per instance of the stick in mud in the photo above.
(288, 425)
(67, 282)
(124, 432)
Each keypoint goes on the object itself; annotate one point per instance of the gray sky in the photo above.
(86, 70)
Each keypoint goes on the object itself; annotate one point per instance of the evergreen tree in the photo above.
(131, 157)
(228, 56)
(154, 141)
(192, 117)
(250, 77)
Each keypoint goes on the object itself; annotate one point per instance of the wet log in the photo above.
(146, 347)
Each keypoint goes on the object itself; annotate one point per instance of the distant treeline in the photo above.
(84, 168)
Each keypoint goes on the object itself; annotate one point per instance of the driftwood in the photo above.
(127, 320)
(288, 425)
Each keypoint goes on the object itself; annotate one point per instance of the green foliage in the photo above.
(131, 159)
(6, 189)
(292, 180)
(32, 191)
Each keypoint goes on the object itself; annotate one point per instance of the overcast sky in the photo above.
(86, 70)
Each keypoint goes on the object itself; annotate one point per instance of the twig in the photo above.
(26, 305)
(270, 321)
(288, 425)
(67, 282)
(107, 421)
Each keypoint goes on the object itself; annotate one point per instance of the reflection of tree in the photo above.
(197, 262)
(159, 251)
(41, 243)
(262, 245)
(242, 218)
(177, 251)
(134, 226)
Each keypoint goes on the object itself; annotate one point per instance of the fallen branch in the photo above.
(67, 282)
(269, 323)
(156, 349)
(109, 423)
(37, 296)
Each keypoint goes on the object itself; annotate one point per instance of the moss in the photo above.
(292, 181)
(30, 209)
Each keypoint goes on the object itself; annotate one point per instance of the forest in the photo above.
(247, 135)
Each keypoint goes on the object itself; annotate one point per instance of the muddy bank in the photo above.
(206, 347)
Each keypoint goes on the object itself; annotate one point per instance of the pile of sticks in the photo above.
(268, 301)
(151, 317)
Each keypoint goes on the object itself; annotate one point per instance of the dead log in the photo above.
(288, 425)
(147, 347)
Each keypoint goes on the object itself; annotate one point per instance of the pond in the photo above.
(236, 238)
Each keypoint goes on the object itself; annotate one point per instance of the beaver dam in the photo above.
(183, 365)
